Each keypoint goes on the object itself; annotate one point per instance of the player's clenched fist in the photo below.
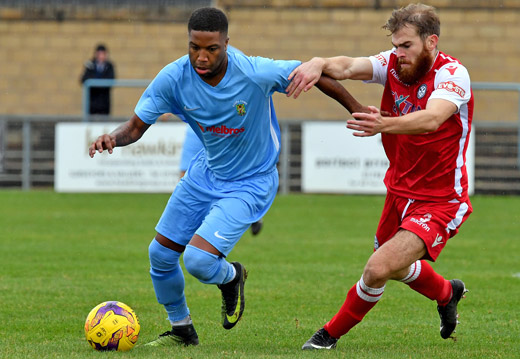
(103, 142)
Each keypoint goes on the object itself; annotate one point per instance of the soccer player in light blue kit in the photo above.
(224, 96)
(192, 145)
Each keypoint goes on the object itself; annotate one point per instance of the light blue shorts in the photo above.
(218, 211)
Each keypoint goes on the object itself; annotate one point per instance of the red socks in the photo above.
(360, 299)
(423, 279)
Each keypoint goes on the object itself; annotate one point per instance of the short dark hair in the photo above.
(101, 47)
(423, 17)
(208, 19)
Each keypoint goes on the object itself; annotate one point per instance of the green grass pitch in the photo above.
(62, 254)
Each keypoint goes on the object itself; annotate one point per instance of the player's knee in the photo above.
(375, 273)
(200, 263)
(162, 259)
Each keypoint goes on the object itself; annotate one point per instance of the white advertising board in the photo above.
(149, 165)
(335, 161)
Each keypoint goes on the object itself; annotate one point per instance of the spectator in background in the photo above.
(99, 68)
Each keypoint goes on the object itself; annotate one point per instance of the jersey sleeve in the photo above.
(380, 67)
(158, 98)
(271, 75)
(452, 83)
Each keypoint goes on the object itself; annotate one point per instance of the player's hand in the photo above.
(103, 142)
(304, 77)
(366, 124)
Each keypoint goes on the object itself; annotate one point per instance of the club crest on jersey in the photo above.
(240, 107)
(421, 91)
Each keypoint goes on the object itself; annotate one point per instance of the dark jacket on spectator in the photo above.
(99, 96)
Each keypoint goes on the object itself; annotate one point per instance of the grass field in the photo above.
(62, 254)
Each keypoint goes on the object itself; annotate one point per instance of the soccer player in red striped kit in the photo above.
(425, 139)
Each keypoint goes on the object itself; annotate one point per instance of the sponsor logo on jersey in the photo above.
(221, 130)
(394, 74)
(421, 91)
(452, 69)
(398, 101)
(402, 106)
(452, 87)
(381, 59)
(240, 107)
(438, 240)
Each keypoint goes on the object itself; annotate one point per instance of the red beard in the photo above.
(417, 70)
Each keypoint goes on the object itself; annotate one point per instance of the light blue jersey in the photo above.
(234, 119)
(190, 148)
(192, 144)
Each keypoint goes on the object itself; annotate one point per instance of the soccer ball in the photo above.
(112, 326)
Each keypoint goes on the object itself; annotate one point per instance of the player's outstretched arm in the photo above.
(125, 134)
(334, 89)
(437, 111)
(307, 74)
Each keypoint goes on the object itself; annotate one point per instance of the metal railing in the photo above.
(27, 153)
(88, 84)
(288, 161)
(502, 86)
(486, 86)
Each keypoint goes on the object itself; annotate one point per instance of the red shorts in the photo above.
(433, 222)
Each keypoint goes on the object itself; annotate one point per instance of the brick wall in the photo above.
(42, 60)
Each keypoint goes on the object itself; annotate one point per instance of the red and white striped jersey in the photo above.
(430, 166)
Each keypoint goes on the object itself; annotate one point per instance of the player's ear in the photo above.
(431, 42)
